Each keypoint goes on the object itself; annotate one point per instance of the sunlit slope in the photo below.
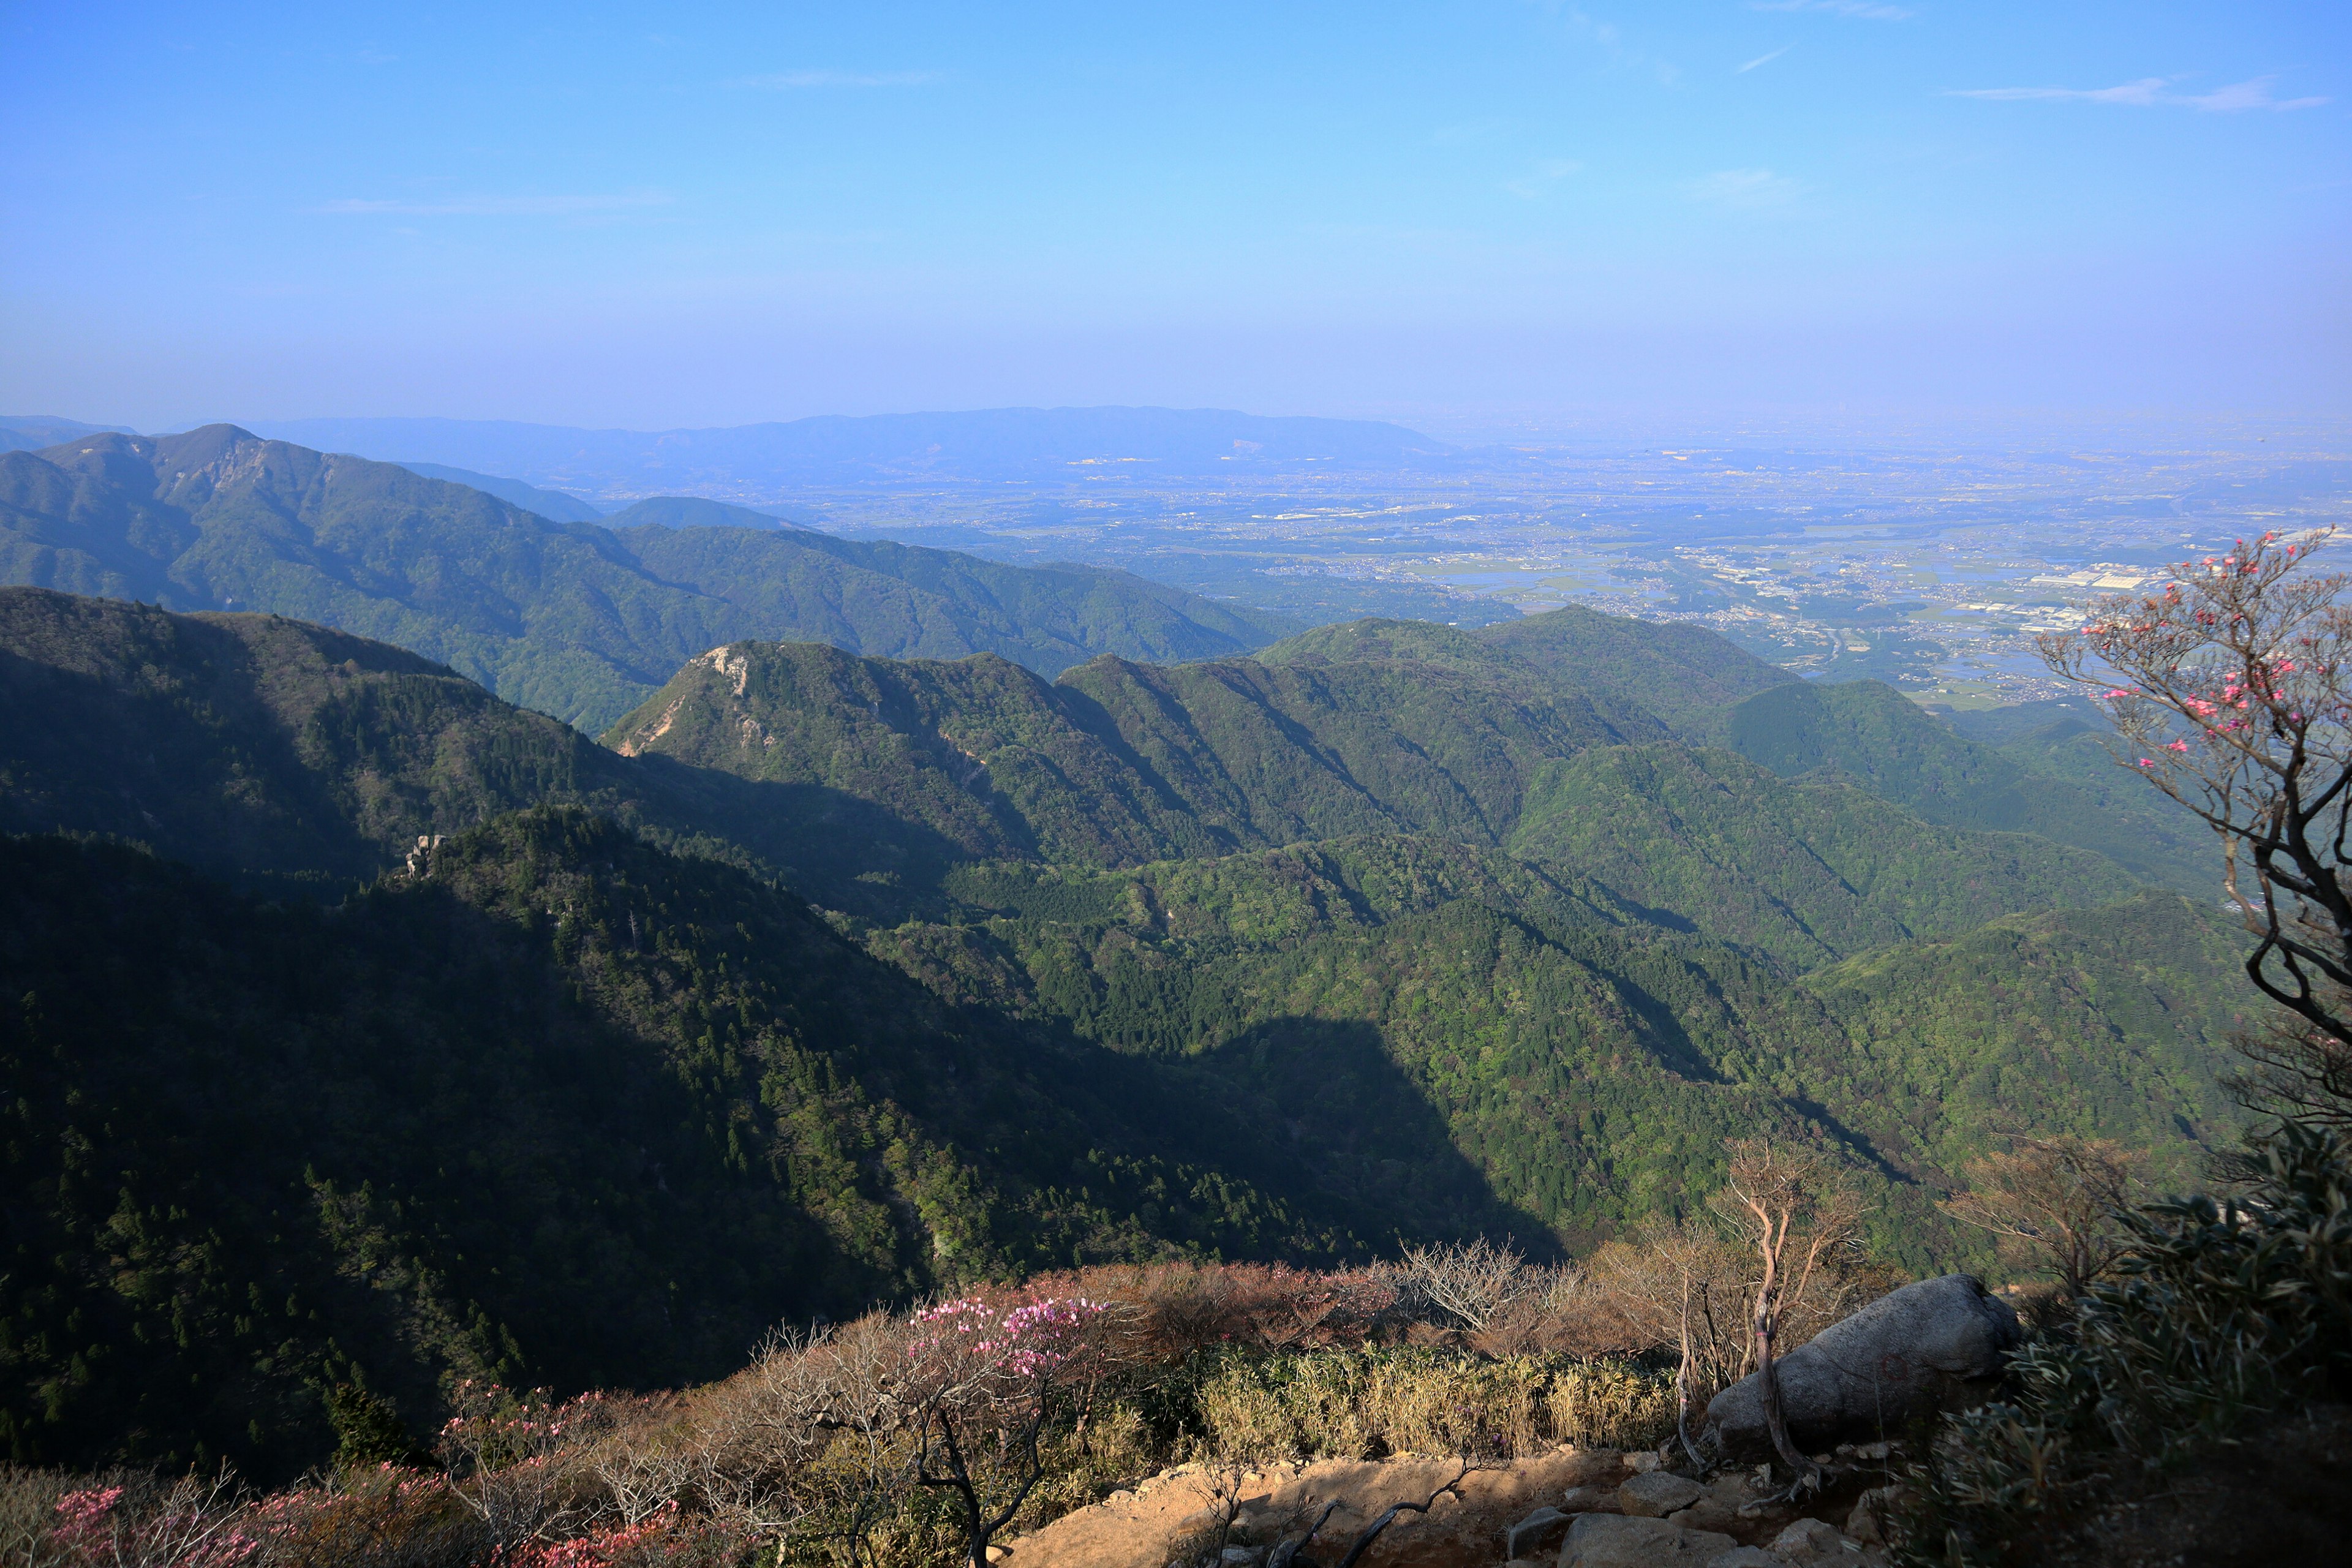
(1872, 735)
(1681, 673)
(573, 619)
(1120, 763)
(1807, 872)
(1591, 1062)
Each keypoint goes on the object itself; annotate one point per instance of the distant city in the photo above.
(1934, 573)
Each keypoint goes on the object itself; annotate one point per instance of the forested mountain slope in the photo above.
(1120, 763)
(562, 1109)
(569, 618)
(252, 745)
(1592, 1061)
(1871, 734)
(1805, 871)
(1681, 673)
(1392, 934)
(554, 505)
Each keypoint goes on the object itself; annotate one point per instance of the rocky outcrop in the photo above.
(1937, 1345)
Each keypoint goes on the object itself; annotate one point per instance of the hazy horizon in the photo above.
(1492, 220)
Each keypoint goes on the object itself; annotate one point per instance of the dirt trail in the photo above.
(1141, 1528)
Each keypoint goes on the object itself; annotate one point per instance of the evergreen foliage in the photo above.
(1867, 733)
(1681, 673)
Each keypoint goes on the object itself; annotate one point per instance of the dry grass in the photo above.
(806, 1456)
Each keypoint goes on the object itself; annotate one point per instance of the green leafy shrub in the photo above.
(2222, 1313)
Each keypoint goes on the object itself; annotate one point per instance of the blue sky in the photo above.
(1465, 215)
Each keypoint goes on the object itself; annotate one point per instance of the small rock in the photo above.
(1241, 1556)
(1583, 1500)
(1658, 1494)
(999, 1554)
(1872, 1452)
(1643, 1464)
(1868, 1522)
(1810, 1541)
(1710, 1512)
(1538, 1529)
(1746, 1557)
(1614, 1540)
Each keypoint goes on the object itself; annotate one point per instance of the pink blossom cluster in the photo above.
(600, 1549)
(87, 1527)
(1025, 1342)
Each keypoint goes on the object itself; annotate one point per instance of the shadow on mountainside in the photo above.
(1323, 1104)
(831, 846)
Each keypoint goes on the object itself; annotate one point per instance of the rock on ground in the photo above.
(1617, 1540)
(1936, 1345)
(1537, 1531)
(1657, 1494)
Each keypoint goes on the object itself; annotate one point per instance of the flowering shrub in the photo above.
(1014, 1407)
(191, 1524)
(2234, 686)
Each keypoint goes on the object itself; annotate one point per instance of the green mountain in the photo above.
(554, 505)
(1872, 734)
(573, 619)
(1117, 763)
(1393, 933)
(1807, 872)
(256, 1150)
(1681, 673)
(1590, 1061)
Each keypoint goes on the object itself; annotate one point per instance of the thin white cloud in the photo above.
(2254, 94)
(1541, 178)
(787, 80)
(1746, 189)
(1762, 60)
(495, 206)
(1861, 10)
(2149, 92)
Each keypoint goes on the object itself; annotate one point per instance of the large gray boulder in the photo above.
(1937, 1345)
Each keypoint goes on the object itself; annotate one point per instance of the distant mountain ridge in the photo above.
(574, 619)
(838, 449)
(554, 505)
(31, 432)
